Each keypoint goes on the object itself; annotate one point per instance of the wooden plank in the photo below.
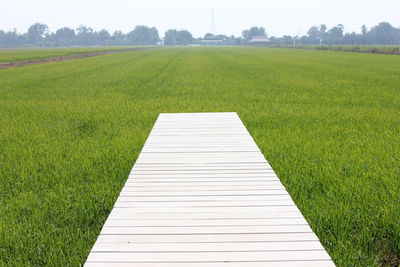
(141, 204)
(207, 193)
(186, 188)
(264, 209)
(202, 160)
(185, 184)
(204, 238)
(314, 263)
(203, 174)
(215, 199)
(199, 247)
(208, 256)
(240, 167)
(226, 229)
(202, 194)
(199, 180)
(121, 214)
(163, 181)
(199, 149)
(209, 222)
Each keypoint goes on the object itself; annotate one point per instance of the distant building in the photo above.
(259, 40)
(212, 41)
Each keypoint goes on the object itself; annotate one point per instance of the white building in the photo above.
(259, 40)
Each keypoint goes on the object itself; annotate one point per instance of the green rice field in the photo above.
(327, 122)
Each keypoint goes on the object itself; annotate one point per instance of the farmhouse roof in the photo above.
(212, 39)
(259, 39)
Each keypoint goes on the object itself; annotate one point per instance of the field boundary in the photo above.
(7, 65)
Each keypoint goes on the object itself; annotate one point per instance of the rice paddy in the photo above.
(327, 122)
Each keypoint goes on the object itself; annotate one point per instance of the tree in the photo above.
(335, 34)
(36, 32)
(174, 37)
(170, 37)
(287, 40)
(2, 38)
(185, 37)
(314, 35)
(85, 35)
(364, 30)
(385, 33)
(64, 37)
(118, 37)
(12, 39)
(103, 36)
(322, 31)
(253, 31)
(143, 35)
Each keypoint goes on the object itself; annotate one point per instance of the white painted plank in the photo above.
(238, 154)
(207, 247)
(198, 188)
(185, 184)
(136, 204)
(202, 174)
(313, 263)
(268, 184)
(204, 132)
(209, 222)
(227, 229)
(214, 149)
(264, 209)
(209, 145)
(204, 238)
(165, 181)
(245, 167)
(209, 172)
(118, 214)
(265, 198)
(209, 256)
(202, 160)
(207, 193)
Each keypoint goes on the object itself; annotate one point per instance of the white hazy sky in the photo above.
(279, 17)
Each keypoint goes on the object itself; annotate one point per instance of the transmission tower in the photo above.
(212, 29)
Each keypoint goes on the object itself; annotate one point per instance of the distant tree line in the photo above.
(382, 34)
(39, 35)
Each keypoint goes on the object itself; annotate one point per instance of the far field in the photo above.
(378, 49)
(328, 123)
(13, 55)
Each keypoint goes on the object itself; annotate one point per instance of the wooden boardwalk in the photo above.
(202, 194)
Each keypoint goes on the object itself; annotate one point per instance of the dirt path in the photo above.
(7, 65)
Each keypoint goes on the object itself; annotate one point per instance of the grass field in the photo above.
(328, 122)
(12, 55)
